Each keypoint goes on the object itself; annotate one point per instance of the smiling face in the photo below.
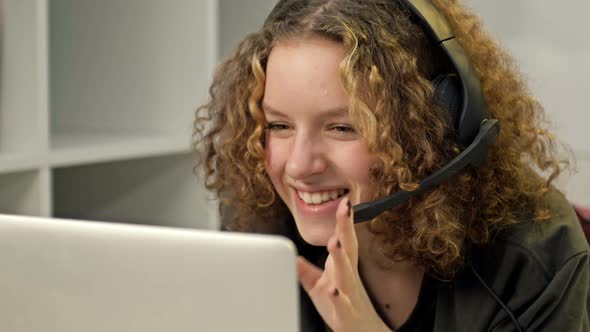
(314, 156)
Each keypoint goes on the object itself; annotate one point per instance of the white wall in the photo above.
(550, 41)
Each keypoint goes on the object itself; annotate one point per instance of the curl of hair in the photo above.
(387, 75)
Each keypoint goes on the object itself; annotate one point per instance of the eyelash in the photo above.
(339, 128)
(274, 125)
(344, 129)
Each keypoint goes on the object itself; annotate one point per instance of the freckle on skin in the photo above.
(387, 306)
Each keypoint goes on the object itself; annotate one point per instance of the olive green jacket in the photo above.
(540, 271)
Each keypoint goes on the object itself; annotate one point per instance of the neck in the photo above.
(393, 286)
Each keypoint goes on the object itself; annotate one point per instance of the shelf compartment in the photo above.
(134, 66)
(237, 19)
(155, 191)
(20, 193)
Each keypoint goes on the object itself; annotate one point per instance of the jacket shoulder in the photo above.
(549, 244)
(538, 270)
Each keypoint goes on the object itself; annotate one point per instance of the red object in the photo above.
(584, 217)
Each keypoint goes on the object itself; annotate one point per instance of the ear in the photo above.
(448, 93)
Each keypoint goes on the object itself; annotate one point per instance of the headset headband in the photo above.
(474, 108)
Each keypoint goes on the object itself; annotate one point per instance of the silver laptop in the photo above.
(77, 276)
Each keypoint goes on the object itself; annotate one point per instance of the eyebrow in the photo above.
(330, 112)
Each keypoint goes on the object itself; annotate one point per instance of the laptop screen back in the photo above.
(66, 276)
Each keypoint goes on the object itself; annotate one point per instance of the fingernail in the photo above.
(336, 292)
(338, 244)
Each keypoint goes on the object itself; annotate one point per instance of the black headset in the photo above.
(461, 95)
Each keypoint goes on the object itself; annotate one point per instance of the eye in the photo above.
(275, 126)
(345, 129)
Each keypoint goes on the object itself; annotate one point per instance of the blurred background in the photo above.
(98, 96)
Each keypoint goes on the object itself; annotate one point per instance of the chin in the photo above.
(314, 234)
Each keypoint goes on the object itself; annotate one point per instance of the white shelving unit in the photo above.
(97, 105)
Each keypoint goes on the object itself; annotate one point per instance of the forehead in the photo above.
(303, 74)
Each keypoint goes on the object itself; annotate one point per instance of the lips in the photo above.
(323, 210)
(320, 197)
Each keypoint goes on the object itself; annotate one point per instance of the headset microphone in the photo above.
(473, 155)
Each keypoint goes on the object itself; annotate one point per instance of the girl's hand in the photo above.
(337, 292)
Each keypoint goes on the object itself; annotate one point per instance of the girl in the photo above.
(334, 103)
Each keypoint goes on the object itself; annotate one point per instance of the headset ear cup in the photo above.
(448, 92)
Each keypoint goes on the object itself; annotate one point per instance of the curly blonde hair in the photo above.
(387, 75)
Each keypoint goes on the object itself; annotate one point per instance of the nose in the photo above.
(306, 158)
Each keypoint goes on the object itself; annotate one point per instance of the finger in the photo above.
(307, 273)
(342, 306)
(345, 231)
(340, 270)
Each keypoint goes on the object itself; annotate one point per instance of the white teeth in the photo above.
(318, 198)
(306, 197)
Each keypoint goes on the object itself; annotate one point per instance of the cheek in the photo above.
(275, 160)
(356, 163)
